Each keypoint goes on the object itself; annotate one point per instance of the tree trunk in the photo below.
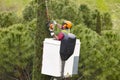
(41, 33)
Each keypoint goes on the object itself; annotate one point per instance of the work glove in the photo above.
(51, 26)
(54, 22)
(51, 29)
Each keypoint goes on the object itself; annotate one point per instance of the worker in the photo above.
(65, 29)
(67, 39)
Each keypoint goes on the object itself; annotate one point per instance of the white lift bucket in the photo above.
(51, 61)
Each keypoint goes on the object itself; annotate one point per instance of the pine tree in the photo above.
(41, 34)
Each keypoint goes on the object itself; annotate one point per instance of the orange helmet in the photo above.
(67, 24)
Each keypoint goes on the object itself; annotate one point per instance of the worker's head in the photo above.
(66, 25)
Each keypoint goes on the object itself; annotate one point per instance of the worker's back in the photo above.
(67, 46)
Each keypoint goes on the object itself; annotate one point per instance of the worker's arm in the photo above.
(60, 36)
(51, 29)
(56, 37)
(59, 26)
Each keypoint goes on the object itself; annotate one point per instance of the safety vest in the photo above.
(66, 31)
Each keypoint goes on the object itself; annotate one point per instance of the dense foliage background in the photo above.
(95, 24)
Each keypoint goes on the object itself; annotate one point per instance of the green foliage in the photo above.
(106, 22)
(99, 57)
(13, 5)
(87, 16)
(7, 19)
(112, 57)
(102, 6)
(67, 10)
(17, 51)
(68, 13)
(111, 6)
(91, 56)
(30, 11)
(82, 14)
(64, 9)
(41, 32)
(93, 19)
